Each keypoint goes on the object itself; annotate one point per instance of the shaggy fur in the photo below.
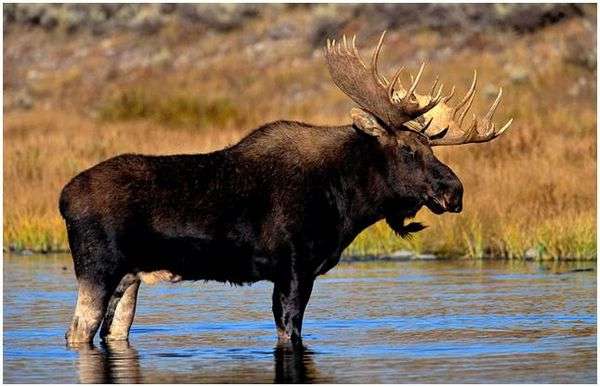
(281, 205)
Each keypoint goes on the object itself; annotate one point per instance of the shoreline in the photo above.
(395, 256)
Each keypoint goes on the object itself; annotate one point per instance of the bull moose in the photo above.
(281, 205)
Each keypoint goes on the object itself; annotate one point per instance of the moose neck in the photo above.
(344, 166)
(361, 190)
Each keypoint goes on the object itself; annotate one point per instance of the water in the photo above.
(380, 322)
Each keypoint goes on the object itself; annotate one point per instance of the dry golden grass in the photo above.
(533, 189)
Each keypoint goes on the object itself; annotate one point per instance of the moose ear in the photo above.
(367, 123)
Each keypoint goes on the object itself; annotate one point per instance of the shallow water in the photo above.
(379, 322)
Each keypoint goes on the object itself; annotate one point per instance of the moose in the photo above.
(280, 205)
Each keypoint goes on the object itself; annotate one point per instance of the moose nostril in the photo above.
(452, 203)
(447, 198)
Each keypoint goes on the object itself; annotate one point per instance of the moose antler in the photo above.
(371, 91)
(401, 108)
(447, 121)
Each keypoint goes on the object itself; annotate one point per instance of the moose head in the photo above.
(408, 125)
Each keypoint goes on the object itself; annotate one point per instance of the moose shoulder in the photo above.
(281, 205)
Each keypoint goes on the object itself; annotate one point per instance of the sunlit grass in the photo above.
(180, 110)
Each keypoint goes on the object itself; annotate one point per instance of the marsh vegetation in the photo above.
(76, 96)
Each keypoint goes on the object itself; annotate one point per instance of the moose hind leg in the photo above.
(121, 309)
(99, 265)
(92, 300)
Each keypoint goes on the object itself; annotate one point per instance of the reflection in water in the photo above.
(118, 362)
(295, 365)
(449, 321)
(113, 362)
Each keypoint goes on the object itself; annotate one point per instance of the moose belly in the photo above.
(177, 259)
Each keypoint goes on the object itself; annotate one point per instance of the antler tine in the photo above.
(471, 132)
(492, 110)
(437, 78)
(426, 126)
(467, 95)
(438, 96)
(375, 59)
(478, 130)
(503, 129)
(464, 113)
(415, 81)
(395, 80)
(362, 83)
(450, 95)
(356, 53)
(439, 132)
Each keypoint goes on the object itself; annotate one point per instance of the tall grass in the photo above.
(180, 110)
(531, 193)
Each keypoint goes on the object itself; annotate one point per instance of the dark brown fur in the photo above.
(281, 205)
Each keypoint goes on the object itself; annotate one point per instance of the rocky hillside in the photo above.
(151, 18)
(58, 53)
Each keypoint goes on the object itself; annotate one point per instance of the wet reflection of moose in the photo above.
(113, 362)
(119, 362)
(295, 365)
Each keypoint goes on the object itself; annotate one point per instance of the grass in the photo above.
(529, 194)
(180, 110)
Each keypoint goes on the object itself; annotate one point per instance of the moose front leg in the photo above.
(289, 303)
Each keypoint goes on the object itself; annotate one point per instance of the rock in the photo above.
(401, 255)
(531, 253)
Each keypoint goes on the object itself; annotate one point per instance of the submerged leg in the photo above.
(99, 265)
(92, 300)
(289, 303)
(121, 309)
